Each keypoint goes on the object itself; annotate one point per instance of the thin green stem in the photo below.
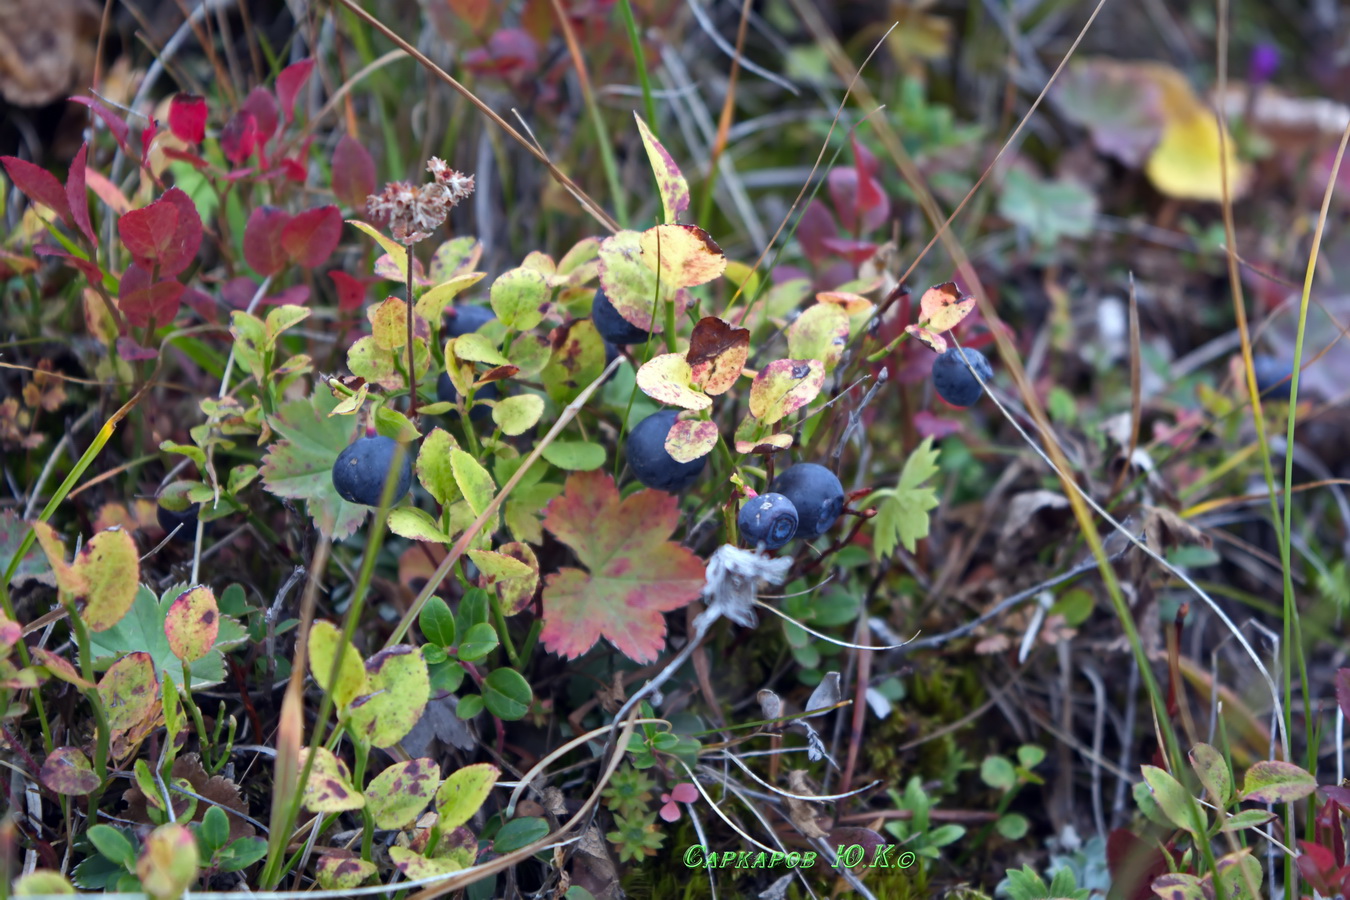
(640, 61)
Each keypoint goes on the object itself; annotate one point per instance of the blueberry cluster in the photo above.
(804, 501)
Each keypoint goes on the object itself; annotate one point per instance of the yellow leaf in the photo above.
(1186, 163)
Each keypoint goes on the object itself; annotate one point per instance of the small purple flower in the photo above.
(1265, 59)
(682, 793)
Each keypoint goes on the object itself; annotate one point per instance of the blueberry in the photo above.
(769, 519)
(612, 326)
(816, 493)
(362, 467)
(1272, 377)
(953, 381)
(173, 509)
(650, 462)
(445, 391)
(467, 319)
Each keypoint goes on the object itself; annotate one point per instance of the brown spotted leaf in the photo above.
(111, 565)
(578, 359)
(670, 183)
(943, 306)
(691, 439)
(820, 332)
(631, 285)
(1273, 781)
(59, 667)
(400, 792)
(785, 386)
(399, 687)
(717, 353)
(635, 573)
(329, 788)
(192, 623)
(682, 255)
(338, 872)
(67, 771)
(129, 690)
(666, 378)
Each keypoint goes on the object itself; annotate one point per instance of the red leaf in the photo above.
(861, 206)
(148, 137)
(148, 232)
(863, 160)
(75, 194)
(353, 173)
(116, 124)
(262, 239)
(143, 303)
(312, 236)
(510, 51)
(187, 237)
(191, 159)
(239, 137)
(131, 351)
(294, 169)
(263, 106)
(187, 117)
(815, 225)
(351, 291)
(90, 270)
(1133, 863)
(38, 185)
(635, 575)
(203, 304)
(289, 82)
(855, 252)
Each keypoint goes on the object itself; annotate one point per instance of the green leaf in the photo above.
(324, 642)
(518, 297)
(474, 481)
(437, 623)
(519, 833)
(398, 687)
(433, 466)
(463, 793)
(1173, 800)
(241, 854)
(397, 795)
(1247, 818)
(998, 773)
(417, 525)
(214, 830)
(1048, 209)
(1273, 781)
(142, 628)
(469, 706)
(507, 694)
(518, 414)
(300, 467)
(1210, 765)
(575, 456)
(902, 513)
(1012, 826)
(478, 642)
(393, 424)
(113, 845)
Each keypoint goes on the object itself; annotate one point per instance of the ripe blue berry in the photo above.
(953, 381)
(769, 519)
(362, 467)
(467, 319)
(173, 509)
(1272, 377)
(445, 392)
(816, 494)
(612, 326)
(647, 456)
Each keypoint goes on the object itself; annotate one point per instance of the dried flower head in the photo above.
(414, 211)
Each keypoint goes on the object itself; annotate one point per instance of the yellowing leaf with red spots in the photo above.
(399, 686)
(192, 623)
(820, 332)
(682, 255)
(785, 386)
(631, 284)
(129, 690)
(110, 565)
(943, 306)
(717, 353)
(635, 573)
(670, 181)
(329, 787)
(691, 439)
(403, 790)
(665, 378)
(936, 341)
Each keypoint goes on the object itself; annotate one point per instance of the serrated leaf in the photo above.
(785, 386)
(902, 512)
(400, 792)
(324, 641)
(666, 378)
(460, 796)
(1048, 209)
(300, 467)
(635, 574)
